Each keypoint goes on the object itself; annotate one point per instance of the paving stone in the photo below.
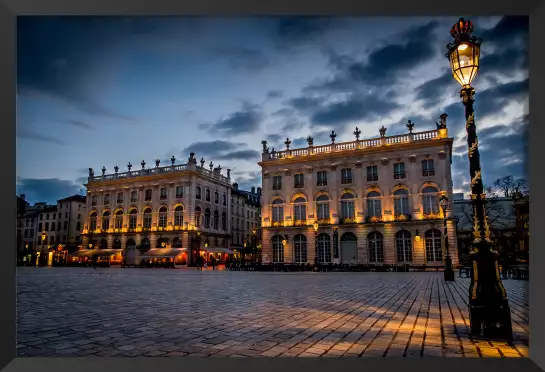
(342, 317)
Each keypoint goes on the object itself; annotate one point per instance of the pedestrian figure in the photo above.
(213, 263)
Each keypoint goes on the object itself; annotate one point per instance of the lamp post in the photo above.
(44, 235)
(315, 225)
(449, 272)
(488, 306)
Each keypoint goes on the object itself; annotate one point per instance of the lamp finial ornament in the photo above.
(410, 126)
(172, 160)
(310, 140)
(287, 142)
(143, 164)
(116, 169)
(333, 135)
(129, 166)
(103, 170)
(157, 162)
(382, 131)
(357, 133)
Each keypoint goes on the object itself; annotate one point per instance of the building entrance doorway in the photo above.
(349, 249)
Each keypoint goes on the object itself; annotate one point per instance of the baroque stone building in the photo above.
(366, 201)
(245, 217)
(175, 208)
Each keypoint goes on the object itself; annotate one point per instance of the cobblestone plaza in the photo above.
(162, 312)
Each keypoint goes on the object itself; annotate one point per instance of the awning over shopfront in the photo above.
(105, 252)
(163, 252)
(218, 250)
(81, 253)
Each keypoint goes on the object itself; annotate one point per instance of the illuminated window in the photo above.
(347, 206)
(433, 246)
(401, 202)
(93, 221)
(278, 210)
(118, 224)
(132, 219)
(376, 248)
(277, 249)
(106, 220)
(322, 203)
(163, 217)
(374, 204)
(299, 249)
(404, 246)
(179, 216)
(299, 209)
(324, 248)
(430, 200)
(147, 218)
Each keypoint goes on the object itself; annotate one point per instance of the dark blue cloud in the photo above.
(242, 58)
(221, 150)
(247, 120)
(47, 190)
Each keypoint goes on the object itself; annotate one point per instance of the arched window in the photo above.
(347, 206)
(299, 209)
(207, 218)
(133, 218)
(300, 249)
(322, 204)
(433, 246)
(401, 202)
(216, 219)
(92, 221)
(404, 246)
(106, 220)
(163, 217)
(374, 205)
(145, 244)
(176, 242)
(277, 249)
(198, 193)
(278, 210)
(117, 243)
(147, 218)
(207, 195)
(324, 248)
(224, 221)
(197, 216)
(118, 223)
(430, 200)
(179, 216)
(376, 248)
(103, 244)
(224, 199)
(216, 197)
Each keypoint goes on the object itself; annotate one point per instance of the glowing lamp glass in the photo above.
(464, 62)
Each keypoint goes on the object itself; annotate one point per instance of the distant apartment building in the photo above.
(31, 235)
(245, 217)
(366, 201)
(22, 206)
(46, 234)
(71, 212)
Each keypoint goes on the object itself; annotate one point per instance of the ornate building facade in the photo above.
(176, 206)
(245, 220)
(368, 201)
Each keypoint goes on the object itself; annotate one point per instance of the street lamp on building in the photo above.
(44, 235)
(315, 225)
(488, 306)
(449, 272)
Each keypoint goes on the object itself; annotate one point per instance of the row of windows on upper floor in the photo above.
(47, 217)
(50, 240)
(163, 195)
(375, 244)
(428, 170)
(209, 219)
(238, 224)
(46, 226)
(430, 203)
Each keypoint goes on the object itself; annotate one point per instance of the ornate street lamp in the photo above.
(488, 306)
(449, 272)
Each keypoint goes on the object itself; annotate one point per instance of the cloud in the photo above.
(299, 30)
(80, 124)
(247, 179)
(434, 91)
(221, 150)
(508, 30)
(242, 58)
(274, 94)
(56, 59)
(47, 190)
(24, 133)
(353, 109)
(246, 120)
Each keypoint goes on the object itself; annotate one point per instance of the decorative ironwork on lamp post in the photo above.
(449, 272)
(488, 306)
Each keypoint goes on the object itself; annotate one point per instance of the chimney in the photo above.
(259, 191)
(235, 185)
(253, 189)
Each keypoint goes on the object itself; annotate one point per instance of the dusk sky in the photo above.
(103, 91)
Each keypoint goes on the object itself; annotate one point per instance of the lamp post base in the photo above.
(489, 312)
(449, 271)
